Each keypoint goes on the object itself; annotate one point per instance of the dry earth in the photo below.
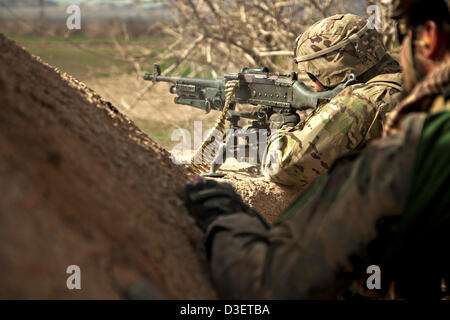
(129, 94)
(82, 185)
(266, 197)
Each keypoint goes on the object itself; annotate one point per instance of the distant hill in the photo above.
(36, 3)
(102, 10)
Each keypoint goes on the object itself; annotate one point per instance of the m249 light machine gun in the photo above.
(276, 98)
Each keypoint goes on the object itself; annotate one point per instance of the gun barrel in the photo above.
(148, 76)
(212, 83)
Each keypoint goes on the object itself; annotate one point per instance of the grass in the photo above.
(96, 57)
(78, 62)
(81, 39)
(88, 57)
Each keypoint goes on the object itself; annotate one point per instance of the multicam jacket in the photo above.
(388, 205)
(298, 155)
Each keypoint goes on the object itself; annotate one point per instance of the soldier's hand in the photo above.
(207, 200)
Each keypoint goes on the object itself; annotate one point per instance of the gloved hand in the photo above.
(207, 200)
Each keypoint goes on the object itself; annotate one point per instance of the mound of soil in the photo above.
(82, 185)
(268, 198)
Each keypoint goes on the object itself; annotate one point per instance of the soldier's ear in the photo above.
(429, 36)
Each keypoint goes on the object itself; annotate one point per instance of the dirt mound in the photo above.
(268, 198)
(82, 185)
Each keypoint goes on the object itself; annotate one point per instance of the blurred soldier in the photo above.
(388, 25)
(387, 205)
(329, 51)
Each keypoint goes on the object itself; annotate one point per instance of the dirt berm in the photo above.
(81, 185)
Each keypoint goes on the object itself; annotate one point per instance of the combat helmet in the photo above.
(404, 11)
(400, 7)
(334, 47)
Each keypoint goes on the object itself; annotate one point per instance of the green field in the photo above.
(86, 57)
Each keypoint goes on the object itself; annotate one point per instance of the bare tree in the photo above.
(212, 37)
(245, 32)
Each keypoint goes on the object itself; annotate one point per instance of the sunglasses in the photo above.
(314, 79)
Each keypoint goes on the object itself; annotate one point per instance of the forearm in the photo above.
(251, 262)
(237, 246)
(298, 156)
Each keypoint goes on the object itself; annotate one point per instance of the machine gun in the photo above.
(277, 97)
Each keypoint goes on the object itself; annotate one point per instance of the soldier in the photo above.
(387, 205)
(388, 26)
(329, 51)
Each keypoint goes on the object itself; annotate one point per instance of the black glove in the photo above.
(208, 200)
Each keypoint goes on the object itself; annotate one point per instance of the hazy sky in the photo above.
(103, 1)
(145, 3)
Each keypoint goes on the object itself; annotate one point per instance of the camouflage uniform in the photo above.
(388, 205)
(296, 156)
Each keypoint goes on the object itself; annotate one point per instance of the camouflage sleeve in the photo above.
(299, 155)
(318, 246)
